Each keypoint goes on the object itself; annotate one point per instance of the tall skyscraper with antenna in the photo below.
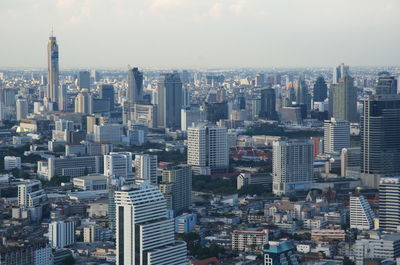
(52, 92)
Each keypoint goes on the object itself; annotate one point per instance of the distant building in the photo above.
(146, 168)
(135, 86)
(84, 80)
(185, 223)
(249, 240)
(389, 207)
(377, 247)
(118, 164)
(336, 135)
(135, 223)
(109, 132)
(263, 179)
(361, 214)
(380, 141)
(268, 102)
(320, 90)
(146, 114)
(61, 233)
(169, 101)
(91, 182)
(387, 84)
(208, 149)
(107, 92)
(22, 108)
(180, 180)
(280, 253)
(343, 100)
(292, 166)
(11, 162)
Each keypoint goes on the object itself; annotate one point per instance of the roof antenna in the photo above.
(52, 32)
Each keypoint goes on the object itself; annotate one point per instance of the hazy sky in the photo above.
(201, 33)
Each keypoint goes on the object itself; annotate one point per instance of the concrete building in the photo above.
(343, 100)
(109, 132)
(35, 252)
(84, 80)
(336, 135)
(146, 168)
(22, 108)
(118, 164)
(185, 223)
(135, 86)
(73, 166)
(143, 236)
(189, 116)
(377, 247)
(84, 102)
(208, 149)
(380, 141)
(169, 103)
(146, 114)
(91, 182)
(61, 233)
(361, 214)
(11, 162)
(263, 179)
(389, 204)
(249, 240)
(280, 253)
(52, 94)
(91, 233)
(292, 166)
(180, 180)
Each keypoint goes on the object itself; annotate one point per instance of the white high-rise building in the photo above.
(61, 233)
(118, 164)
(292, 166)
(361, 214)
(22, 108)
(208, 149)
(144, 233)
(336, 135)
(109, 132)
(146, 168)
(389, 203)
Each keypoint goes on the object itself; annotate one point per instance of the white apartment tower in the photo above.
(208, 149)
(118, 164)
(361, 214)
(389, 203)
(292, 165)
(61, 233)
(336, 135)
(145, 236)
(22, 108)
(146, 168)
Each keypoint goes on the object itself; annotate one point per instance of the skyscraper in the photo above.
(339, 72)
(380, 141)
(336, 135)
(144, 233)
(292, 166)
(343, 100)
(52, 92)
(301, 92)
(320, 90)
(387, 84)
(135, 86)
(389, 204)
(208, 149)
(84, 80)
(61, 233)
(84, 102)
(169, 101)
(180, 179)
(22, 108)
(268, 101)
(107, 92)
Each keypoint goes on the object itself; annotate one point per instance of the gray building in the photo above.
(107, 92)
(343, 100)
(389, 204)
(380, 141)
(268, 102)
(52, 92)
(169, 101)
(135, 86)
(84, 79)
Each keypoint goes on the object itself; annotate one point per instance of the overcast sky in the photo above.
(201, 33)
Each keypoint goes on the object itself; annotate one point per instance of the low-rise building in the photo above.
(91, 182)
(249, 240)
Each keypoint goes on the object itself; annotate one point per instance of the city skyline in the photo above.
(190, 34)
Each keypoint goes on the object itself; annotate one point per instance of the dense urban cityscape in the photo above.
(198, 166)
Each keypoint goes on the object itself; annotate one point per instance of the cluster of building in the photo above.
(110, 167)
